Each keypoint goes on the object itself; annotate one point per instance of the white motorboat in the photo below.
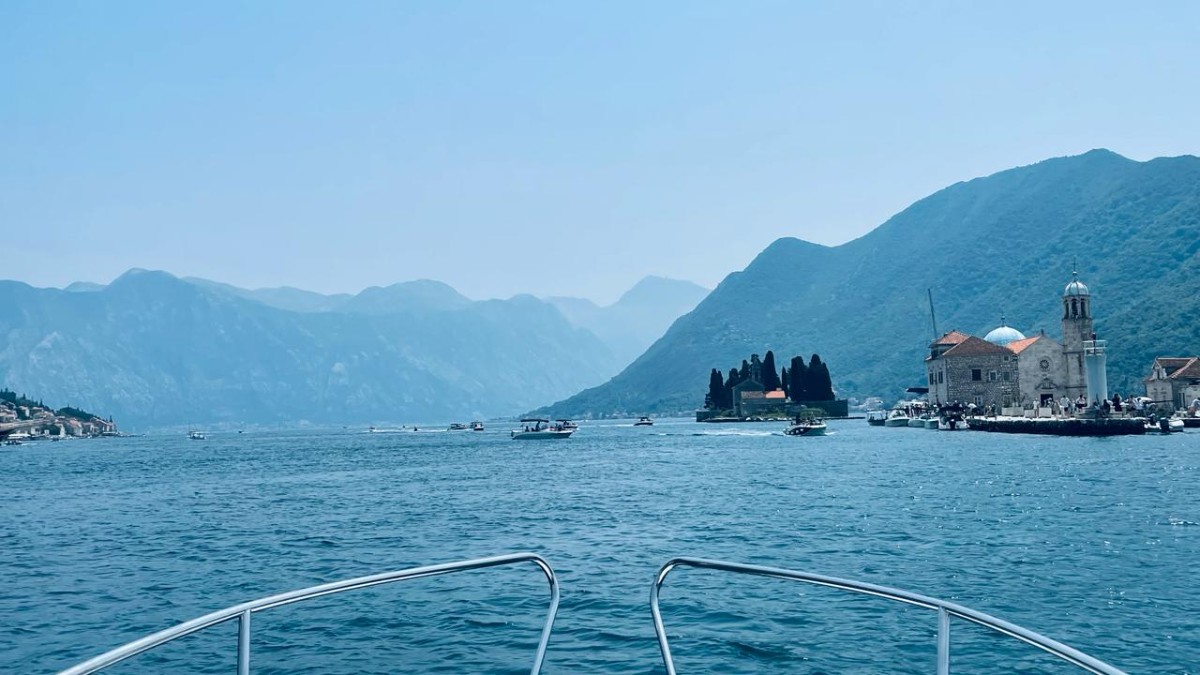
(541, 429)
(567, 424)
(1164, 425)
(644, 422)
(458, 426)
(476, 426)
(897, 418)
(807, 428)
(196, 435)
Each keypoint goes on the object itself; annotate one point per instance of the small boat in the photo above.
(644, 422)
(897, 418)
(458, 426)
(932, 423)
(567, 424)
(476, 426)
(1164, 425)
(809, 427)
(917, 422)
(196, 435)
(876, 418)
(541, 429)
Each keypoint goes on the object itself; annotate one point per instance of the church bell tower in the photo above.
(1077, 328)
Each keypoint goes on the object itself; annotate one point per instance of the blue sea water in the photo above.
(1093, 542)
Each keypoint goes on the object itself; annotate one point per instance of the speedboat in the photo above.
(897, 418)
(876, 418)
(948, 613)
(567, 424)
(644, 422)
(196, 435)
(541, 429)
(476, 426)
(458, 426)
(813, 427)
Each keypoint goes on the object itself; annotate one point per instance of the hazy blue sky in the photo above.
(551, 147)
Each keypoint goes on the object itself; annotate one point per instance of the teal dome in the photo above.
(1004, 335)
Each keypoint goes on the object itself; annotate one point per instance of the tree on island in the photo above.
(798, 380)
(820, 386)
(730, 382)
(783, 381)
(769, 374)
(716, 391)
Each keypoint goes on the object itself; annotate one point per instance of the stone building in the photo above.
(1174, 381)
(1007, 369)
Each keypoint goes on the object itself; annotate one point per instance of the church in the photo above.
(1006, 369)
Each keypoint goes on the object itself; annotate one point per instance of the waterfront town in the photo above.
(24, 419)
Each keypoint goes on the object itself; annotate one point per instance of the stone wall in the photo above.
(999, 379)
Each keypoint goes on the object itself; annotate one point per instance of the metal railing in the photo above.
(944, 609)
(243, 611)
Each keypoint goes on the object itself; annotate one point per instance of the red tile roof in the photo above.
(1171, 364)
(974, 346)
(952, 338)
(1018, 346)
(1191, 371)
(777, 394)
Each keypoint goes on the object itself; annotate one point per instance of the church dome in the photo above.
(1075, 288)
(1004, 335)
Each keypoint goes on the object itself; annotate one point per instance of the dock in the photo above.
(1105, 426)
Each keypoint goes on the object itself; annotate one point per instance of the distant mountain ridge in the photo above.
(1004, 244)
(631, 324)
(158, 350)
(152, 349)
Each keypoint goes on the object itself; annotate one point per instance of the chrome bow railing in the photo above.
(944, 609)
(243, 611)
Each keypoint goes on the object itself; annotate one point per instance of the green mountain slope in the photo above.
(151, 349)
(1000, 245)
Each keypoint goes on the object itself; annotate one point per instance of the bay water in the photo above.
(1093, 542)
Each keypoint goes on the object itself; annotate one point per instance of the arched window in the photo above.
(1074, 308)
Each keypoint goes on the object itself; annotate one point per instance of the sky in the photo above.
(553, 148)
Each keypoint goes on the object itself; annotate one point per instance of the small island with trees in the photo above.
(757, 391)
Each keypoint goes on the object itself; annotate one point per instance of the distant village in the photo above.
(24, 419)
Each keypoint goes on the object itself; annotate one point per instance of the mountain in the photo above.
(282, 297)
(1000, 245)
(154, 350)
(638, 318)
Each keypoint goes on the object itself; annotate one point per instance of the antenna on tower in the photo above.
(932, 318)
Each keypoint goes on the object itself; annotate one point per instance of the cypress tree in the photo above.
(716, 389)
(744, 373)
(730, 383)
(799, 379)
(783, 381)
(770, 376)
(822, 385)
